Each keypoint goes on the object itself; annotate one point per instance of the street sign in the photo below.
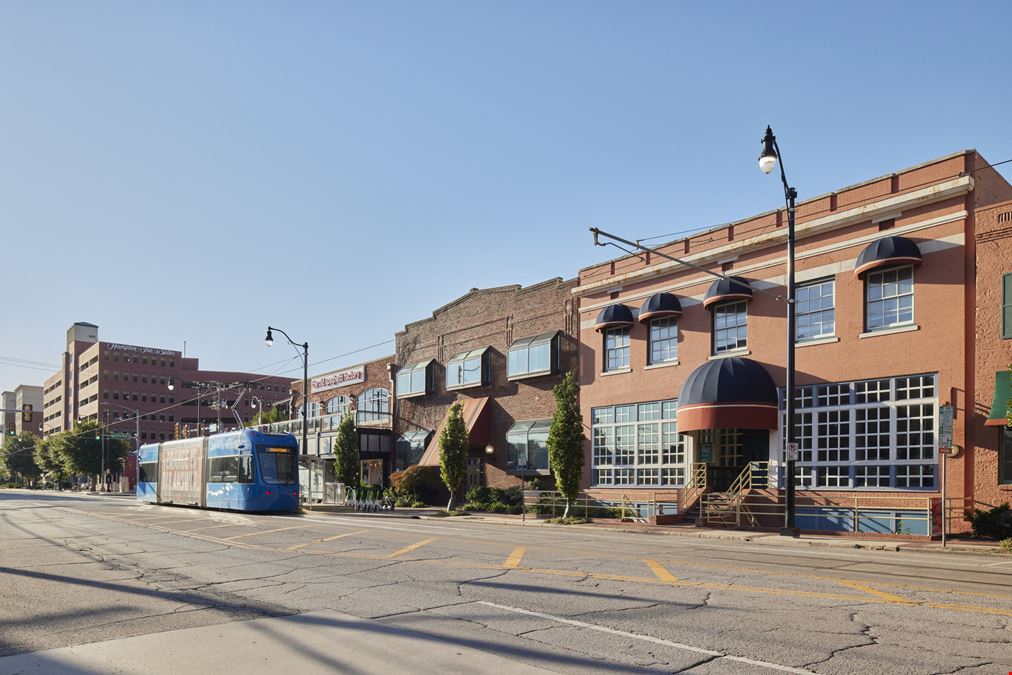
(118, 435)
(792, 452)
(945, 414)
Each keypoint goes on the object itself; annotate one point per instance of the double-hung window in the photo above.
(730, 326)
(889, 298)
(467, 369)
(1006, 306)
(816, 310)
(616, 348)
(535, 355)
(663, 339)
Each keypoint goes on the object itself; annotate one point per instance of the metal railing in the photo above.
(727, 507)
(695, 485)
(326, 423)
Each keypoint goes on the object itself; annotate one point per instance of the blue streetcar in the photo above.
(241, 470)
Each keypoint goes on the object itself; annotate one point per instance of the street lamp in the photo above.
(767, 161)
(269, 341)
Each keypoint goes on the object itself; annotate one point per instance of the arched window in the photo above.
(338, 405)
(374, 405)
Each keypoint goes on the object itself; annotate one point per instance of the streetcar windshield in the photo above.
(278, 465)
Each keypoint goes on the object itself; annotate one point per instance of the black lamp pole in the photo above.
(305, 381)
(767, 160)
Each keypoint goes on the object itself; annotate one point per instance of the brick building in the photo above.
(15, 418)
(364, 390)
(499, 351)
(682, 373)
(115, 383)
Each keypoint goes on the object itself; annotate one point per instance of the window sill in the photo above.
(665, 364)
(459, 387)
(890, 331)
(417, 395)
(817, 341)
(728, 354)
(528, 376)
(623, 371)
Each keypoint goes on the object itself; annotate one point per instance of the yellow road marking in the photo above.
(516, 556)
(659, 570)
(864, 588)
(320, 541)
(412, 547)
(277, 529)
(211, 527)
(737, 588)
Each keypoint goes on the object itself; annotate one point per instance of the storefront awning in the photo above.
(476, 422)
(726, 289)
(614, 316)
(731, 393)
(660, 306)
(998, 417)
(886, 252)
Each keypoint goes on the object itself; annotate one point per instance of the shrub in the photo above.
(1005, 545)
(994, 523)
(421, 483)
(418, 505)
(479, 495)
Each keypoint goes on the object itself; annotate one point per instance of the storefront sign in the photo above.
(141, 350)
(342, 378)
(945, 415)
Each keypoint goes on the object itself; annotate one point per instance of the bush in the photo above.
(420, 483)
(480, 495)
(994, 523)
(1005, 545)
(571, 520)
(418, 505)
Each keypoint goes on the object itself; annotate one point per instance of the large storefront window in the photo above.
(373, 405)
(637, 445)
(409, 448)
(867, 434)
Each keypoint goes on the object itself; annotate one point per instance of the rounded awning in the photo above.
(614, 316)
(886, 252)
(730, 393)
(660, 306)
(727, 288)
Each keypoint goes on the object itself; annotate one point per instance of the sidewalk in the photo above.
(316, 642)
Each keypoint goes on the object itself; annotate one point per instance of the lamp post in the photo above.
(767, 161)
(269, 341)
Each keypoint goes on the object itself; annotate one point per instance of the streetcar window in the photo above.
(223, 470)
(246, 469)
(278, 465)
(148, 472)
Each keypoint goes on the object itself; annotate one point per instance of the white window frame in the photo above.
(726, 309)
(622, 349)
(892, 395)
(870, 279)
(668, 345)
(821, 311)
(645, 426)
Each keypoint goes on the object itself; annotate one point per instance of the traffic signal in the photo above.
(26, 413)
(176, 434)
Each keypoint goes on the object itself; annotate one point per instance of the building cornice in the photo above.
(947, 189)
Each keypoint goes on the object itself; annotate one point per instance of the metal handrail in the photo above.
(695, 485)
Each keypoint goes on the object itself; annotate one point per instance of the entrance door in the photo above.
(730, 451)
(473, 472)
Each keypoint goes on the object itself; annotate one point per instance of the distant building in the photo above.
(22, 410)
(497, 351)
(114, 383)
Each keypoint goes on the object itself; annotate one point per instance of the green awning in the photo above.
(998, 417)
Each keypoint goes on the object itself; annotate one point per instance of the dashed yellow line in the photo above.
(865, 588)
(277, 529)
(412, 547)
(211, 527)
(660, 571)
(320, 541)
(513, 561)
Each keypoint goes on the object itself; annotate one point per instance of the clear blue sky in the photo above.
(194, 170)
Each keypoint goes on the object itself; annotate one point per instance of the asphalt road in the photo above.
(106, 584)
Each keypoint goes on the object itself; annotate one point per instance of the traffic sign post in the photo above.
(946, 413)
(792, 452)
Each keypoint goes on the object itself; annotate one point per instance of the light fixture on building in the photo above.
(489, 449)
(170, 384)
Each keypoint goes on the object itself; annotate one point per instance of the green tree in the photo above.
(347, 463)
(81, 450)
(48, 458)
(17, 455)
(565, 440)
(453, 453)
(274, 414)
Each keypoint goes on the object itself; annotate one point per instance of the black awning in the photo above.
(614, 316)
(660, 306)
(728, 393)
(886, 252)
(727, 288)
